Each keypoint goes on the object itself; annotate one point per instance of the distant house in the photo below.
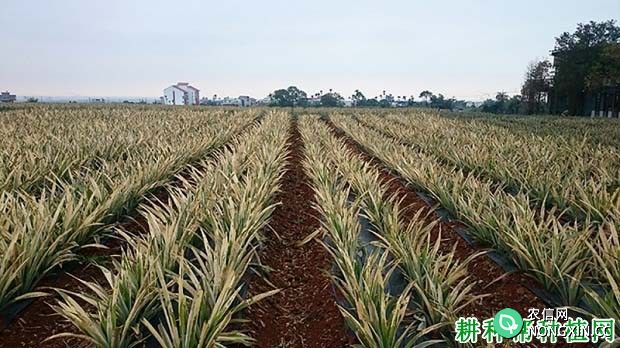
(246, 101)
(182, 94)
(6, 97)
(243, 101)
(228, 101)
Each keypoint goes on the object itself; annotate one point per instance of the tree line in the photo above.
(585, 61)
(295, 97)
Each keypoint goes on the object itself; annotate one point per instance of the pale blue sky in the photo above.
(467, 49)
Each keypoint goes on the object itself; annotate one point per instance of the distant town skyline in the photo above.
(469, 50)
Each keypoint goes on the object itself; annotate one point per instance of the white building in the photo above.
(7, 97)
(181, 94)
(228, 101)
(246, 101)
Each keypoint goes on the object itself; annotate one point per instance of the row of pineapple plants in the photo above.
(596, 131)
(579, 263)
(581, 180)
(41, 231)
(180, 285)
(436, 286)
(44, 144)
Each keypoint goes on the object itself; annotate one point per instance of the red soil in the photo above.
(304, 313)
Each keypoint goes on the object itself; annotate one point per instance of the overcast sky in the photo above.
(467, 49)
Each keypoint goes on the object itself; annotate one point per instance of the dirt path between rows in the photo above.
(304, 313)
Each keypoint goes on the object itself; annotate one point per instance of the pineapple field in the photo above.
(150, 226)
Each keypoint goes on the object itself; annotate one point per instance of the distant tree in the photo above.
(32, 100)
(298, 97)
(458, 104)
(489, 106)
(588, 35)
(372, 102)
(385, 101)
(280, 97)
(410, 101)
(606, 69)
(436, 101)
(501, 99)
(426, 95)
(440, 102)
(577, 55)
(332, 99)
(514, 105)
(291, 96)
(536, 87)
(503, 104)
(358, 98)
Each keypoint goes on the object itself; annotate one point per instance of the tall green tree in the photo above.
(606, 70)
(502, 104)
(291, 96)
(426, 95)
(576, 55)
(358, 98)
(536, 87)
(332, 99)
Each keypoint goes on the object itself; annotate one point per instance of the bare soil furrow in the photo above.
(304, 313)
